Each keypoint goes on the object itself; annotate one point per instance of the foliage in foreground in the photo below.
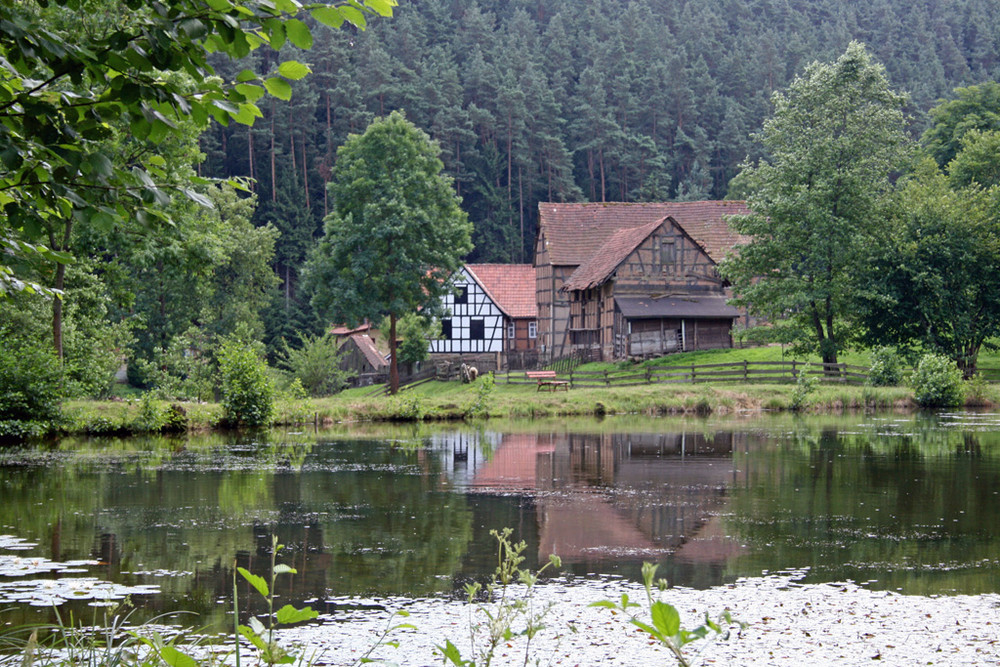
(507, 613)
(664, 621)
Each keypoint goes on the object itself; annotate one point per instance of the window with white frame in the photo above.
(510, 330)
(532, 329)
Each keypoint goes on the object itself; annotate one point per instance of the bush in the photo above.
(316, 365)
(886, 369)
(30, 387)
(937, 382)
(247, 389)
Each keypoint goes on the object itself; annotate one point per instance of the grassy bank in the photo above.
(452, 400)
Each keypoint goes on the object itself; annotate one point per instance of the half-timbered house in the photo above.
(636, 269)
(492, 313)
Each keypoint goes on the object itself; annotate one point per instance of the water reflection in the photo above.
(899, 502)
(602, 498)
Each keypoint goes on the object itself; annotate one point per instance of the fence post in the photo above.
(794, 375)
(746, 377)
(649, 374)
(693, 374)
(607, 382)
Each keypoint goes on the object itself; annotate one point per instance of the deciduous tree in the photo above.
(832, 144)
(395, 233)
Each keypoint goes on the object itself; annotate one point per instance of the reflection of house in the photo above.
(622, 279)
(359, 354)
(601, 497)
(493, 312)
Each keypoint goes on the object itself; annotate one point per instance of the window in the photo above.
(446, 329)
(510, 330)
(462, 295)
(477, 329)
(532, 329)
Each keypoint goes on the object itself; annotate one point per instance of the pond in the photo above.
(906, 503)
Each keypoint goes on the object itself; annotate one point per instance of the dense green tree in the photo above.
(395, 233)
(974, 108)
(415, 332)
(933, 280)
(833, 143)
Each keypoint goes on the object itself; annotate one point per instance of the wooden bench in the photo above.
(547, 379)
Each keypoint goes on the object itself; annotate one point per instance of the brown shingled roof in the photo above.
(511, 286)
(607, 258)
(367, 347)
(574, 232)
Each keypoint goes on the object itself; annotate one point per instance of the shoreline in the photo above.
(452, 401)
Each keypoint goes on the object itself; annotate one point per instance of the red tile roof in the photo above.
(511, 286)
(575, 232)
(367, 346)
(602, 263)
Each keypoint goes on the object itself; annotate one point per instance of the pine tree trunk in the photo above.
(274, 170)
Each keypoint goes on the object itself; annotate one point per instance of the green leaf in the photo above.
(451, 652)
(253, 638)
(354, 17)
(381, 7)
(250, 91)
(645, 627)
(175, 658)
(298, 33)
(606, 604)
(255, 581)
(247, 114)
(280, 88)
(294, 70)
(289, 614)
(275, 31)
(328, 16)
(246, 75)
(101, 165)
(666, 618)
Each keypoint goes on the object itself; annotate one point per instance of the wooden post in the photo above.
(746, 377)
(793, 370)
(693, 374)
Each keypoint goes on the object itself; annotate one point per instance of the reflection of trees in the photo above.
(908, 503)
(357, 517)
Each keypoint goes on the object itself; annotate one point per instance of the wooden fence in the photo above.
(744, 371)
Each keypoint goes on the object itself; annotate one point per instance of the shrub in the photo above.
(977, 391)
(247, 389)
(937, 382)
(316, 365)
(886, 369)
(30, 387)
(805, 384)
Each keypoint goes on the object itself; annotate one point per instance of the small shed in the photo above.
(360, 354)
